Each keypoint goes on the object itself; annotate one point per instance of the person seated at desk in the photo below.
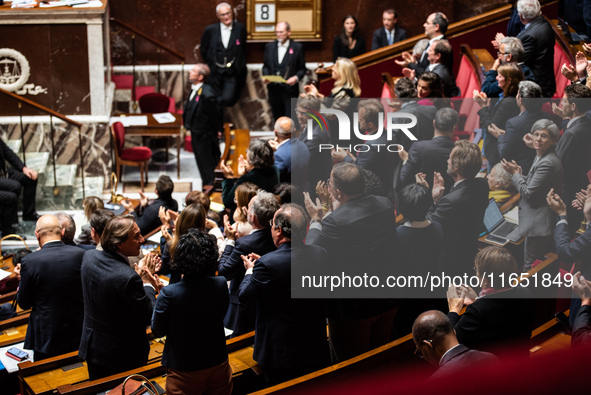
(499, 184)
(190, 314)
(146, 214)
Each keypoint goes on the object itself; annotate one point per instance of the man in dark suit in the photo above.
(436, 342)
(201, 117)
(12, 180)
(359, 237)
(285, 58)
(389, 34)
(320, 161)
(582, 321)
(461, 211)
(435, 28)
(574, 147)
(576, 250)
(50, 285)
(430, 156)
(223, 49)
(290, 336)
(538, 41)
(240, 317)
(510, 144)
(146, 213)
(379, 161)
(118, 301)
(291, 155)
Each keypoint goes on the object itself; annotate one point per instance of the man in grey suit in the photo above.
(118, 301)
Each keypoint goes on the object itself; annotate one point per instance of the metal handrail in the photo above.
(51, 114)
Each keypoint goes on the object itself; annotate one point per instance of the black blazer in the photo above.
(450, 89)
(498, 113)
(290, 333)
(575, 250)
(201, 115)
(496, 321)
(50, 285)
(342, 50)
(381, 162)
(573, 149)
(461, 358)
(538, 42)
(293, 63)
(6, 155)
(511, 145)
(582, 327)
(320, 163)
(380, 39)
(461, 215)
(240, 317)
(212, 49)
(425, 114)
(117, 310)
(147, 218)
(359, 238)
(190, 314)
(263, 178)
(428, 157)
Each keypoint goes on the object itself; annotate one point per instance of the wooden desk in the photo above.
(155, 129)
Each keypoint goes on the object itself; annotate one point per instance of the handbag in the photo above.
(134, 384)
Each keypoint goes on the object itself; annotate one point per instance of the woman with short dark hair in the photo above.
(190, 314)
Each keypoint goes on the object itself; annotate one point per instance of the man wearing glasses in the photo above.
(510, 50)
(436, 342)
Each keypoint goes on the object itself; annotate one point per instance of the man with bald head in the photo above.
(435, 340)
(291, 155)
(284, 58)
(50, 285)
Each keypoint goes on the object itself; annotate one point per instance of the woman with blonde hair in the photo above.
(193, 216)
(90, 204)
(347, 86)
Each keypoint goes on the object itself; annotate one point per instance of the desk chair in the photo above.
(137, 156)
(154, 103)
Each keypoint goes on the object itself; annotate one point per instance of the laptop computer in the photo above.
(571, 37)
(497, 226)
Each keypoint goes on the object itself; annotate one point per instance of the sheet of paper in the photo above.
(275, 78)
(216, 206)
(155, 238)
(10, 364)
(4, 274)
(132, 120)
(164, 117)
(513, 215)
(90, 4)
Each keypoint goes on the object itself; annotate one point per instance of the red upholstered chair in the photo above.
(154, 103)
(137, 156)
